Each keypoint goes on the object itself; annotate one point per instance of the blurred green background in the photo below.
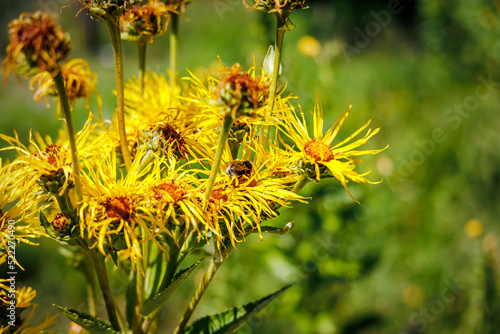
(420, 254)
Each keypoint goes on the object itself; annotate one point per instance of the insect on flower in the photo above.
(238, 168)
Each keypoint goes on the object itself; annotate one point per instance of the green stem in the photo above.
(102, 277)
(91, 283)
(301, 182)
(173, 260)
(63, 99)
(207, 278)
(278, 46)
(234, 147)
(116, 40)
(141, 48)
(174, 45)
(224, 132)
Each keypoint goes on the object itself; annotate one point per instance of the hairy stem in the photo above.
(116, 40)
(174, 45)
(63, 99)
(278, 46)
(102, 277)
(301, 183)
(224, 132)
(207, 278)
(141, 48)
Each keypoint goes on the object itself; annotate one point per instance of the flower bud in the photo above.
(61, 223)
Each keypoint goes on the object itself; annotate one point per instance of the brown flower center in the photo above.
(54, 154)
(318, 151)
(170, 188)
(119, 207)
(218, 195)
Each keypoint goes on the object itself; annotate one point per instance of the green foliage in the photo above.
(229, 321)
(93, 324)
(153, 305)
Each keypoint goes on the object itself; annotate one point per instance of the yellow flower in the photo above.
(48, 164)
(17, 212)
(243, 94)
(36, 44)
(318, 154)
(247, 192)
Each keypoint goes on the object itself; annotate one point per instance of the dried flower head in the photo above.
(145, 22)
(36, 44)
(280, 8)
(80, 82)
(102, 8)
(240, 92)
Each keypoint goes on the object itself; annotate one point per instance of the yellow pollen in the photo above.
(318, 151)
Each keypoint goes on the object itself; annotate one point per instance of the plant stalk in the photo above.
(207, 278)
(63, 99)
(301, 183)
(224, 132)
(174, 46)
(102, 277)
(116, 40)
(278, 46)
(141, 48)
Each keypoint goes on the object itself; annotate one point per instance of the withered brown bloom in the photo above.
(240, 91)
(146, 21)
(37, 44)
(282, 7)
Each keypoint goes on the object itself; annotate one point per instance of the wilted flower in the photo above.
(37, 44)
(145, 22)
(80, 82)
(280, 8)
(107, 7)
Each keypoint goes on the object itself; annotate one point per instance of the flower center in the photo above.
(118, 207)
(218, 195)
(174, 191)
(318, 151)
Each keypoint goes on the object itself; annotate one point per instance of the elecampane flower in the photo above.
(318, 153)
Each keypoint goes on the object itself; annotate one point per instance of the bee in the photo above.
(238, 168)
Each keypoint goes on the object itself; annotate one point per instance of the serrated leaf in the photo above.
(230, 320)
(92, 324)
(155, 303)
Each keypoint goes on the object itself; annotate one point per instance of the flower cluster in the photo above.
(180, 165)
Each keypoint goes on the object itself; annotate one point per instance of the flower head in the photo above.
(37, 44)
(242, 94)
(280, 8)
(318, 155)
(146, 21)
(103, 8)
(79, 80)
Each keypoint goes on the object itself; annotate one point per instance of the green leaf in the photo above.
(276, 230)
(154, 304)
(232, 319)
(93, 324)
